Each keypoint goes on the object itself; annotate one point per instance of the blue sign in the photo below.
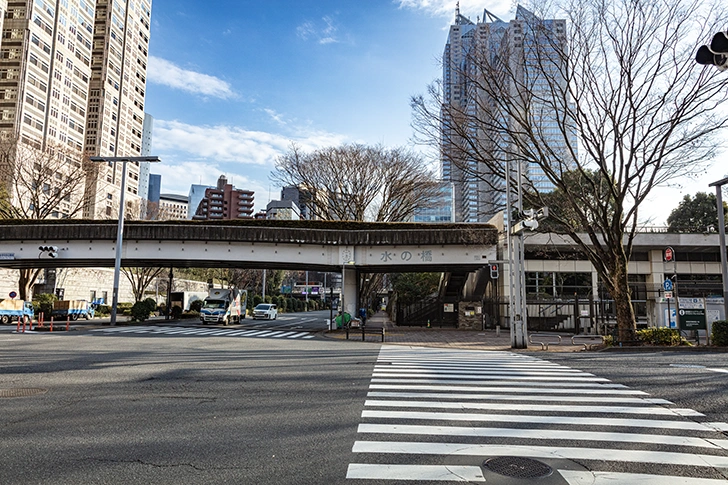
(667, 285)
(13, 294)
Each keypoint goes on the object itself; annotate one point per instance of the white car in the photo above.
(266, 311)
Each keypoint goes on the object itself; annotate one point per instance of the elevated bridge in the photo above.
(295, 245)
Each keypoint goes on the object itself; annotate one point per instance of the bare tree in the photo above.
(613, 99)
(358, 182)
(41, 183)
(140, 279)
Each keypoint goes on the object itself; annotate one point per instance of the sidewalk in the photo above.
(444, 337)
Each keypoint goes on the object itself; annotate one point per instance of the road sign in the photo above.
(669, 254)
(668, 285)
(668, 294)
(692, 313)
(12, 294)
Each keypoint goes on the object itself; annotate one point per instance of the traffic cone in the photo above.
(51, 324)
(68, 321)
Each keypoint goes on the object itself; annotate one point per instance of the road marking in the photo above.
(495, 376)
(524, 418)
(515, 397)
(442, 473)
(537, 434)
(284, 334)
(652, 410)
(598, 454)
(611, 478)
(531, 390)
(444, 366)
(505, 370)
(722, 371)
(490, 382)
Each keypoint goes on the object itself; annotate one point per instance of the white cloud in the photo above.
(161, 71)
(233, 144)
(469, 8)
(324, 32)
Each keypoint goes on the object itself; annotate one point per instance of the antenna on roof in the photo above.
(457, 10)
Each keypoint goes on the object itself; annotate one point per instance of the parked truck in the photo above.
(73, 309)
(183, 299)
(15, 309)
(224, 306)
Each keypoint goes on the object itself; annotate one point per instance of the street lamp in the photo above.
(120, 231)
(721, 231)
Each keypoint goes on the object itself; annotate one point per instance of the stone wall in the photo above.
(470, 315)
(87, 283)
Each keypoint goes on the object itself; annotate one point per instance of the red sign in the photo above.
(669, 254)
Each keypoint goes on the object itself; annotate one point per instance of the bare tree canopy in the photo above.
(358, 182)
(140, 279)
(600, 109)
(40, 184)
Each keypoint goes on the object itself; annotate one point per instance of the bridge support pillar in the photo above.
(350, 293)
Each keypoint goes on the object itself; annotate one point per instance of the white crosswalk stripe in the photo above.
(436, 415)
(205, 332)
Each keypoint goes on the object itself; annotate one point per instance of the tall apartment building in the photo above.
(479, 197)
(225, 202)
(72, 76)
(117, 88)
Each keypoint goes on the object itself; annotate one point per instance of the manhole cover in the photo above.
(21, 392)
(518, 467)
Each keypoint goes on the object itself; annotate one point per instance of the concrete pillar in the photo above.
(350, 292)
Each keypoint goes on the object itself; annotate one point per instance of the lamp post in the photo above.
(120, 230)
(721, 231)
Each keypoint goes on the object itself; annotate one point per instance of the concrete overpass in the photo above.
(345, 246)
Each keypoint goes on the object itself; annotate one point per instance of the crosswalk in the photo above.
(440, 415)
(208, 332)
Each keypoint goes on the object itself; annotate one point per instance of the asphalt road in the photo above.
(179, 410)
(186, 409)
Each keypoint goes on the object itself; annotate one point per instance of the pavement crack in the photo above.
(166, 465)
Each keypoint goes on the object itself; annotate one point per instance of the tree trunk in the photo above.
(26, 280)
(626, 324)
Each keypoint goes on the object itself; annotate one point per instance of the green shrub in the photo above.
(659, 336)
(196, 306)
(44, 304)
(140, 311)
(719, 335)
(257, 300)
(150, 304)
(103, 310)
(176, 312)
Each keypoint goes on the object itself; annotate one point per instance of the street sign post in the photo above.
(692, 313)
(668, 285)
(669, 254)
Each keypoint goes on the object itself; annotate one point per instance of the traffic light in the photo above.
(51, 250)
(494, 271)
(716, 54)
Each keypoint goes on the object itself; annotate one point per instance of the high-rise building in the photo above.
(72, 78)
(197, 193)
(480, 194)
(225, 202)
(172, 207)
(115, 123)
(442, 208)
(145, 167)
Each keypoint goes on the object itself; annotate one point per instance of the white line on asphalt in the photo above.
(533, 390)
(599, 454)
(722, 427)
(441, 473)
(521, 418)
(256, 333)
(472, 368)
(284, 334)
(519, 397)
(395, 370)
(299, 334)
(537, 434)
(610, 478)
(272, 334)
(502, 383)
(722, 371)
(535, 407)
(495, 376)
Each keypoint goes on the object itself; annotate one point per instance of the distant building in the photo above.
(283, 210)
(197, 193)
(302, 199)
(225, 202)
(172, 207)
(144, 167)
(442, 209)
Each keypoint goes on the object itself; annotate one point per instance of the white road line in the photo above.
(537, 434)
(237, 333)
(533, 390)
(652, 410)
(489, 382)
(495, 377)
(271, 334)
(522, 397)
(256, 333)
(284, 334)
(479, 372)
(714, 369)
(722, 427)
(605, 454)
(611, 478)
(521, 418)
(441, 473)
(299, 334)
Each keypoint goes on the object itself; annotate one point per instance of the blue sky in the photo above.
(232, 83)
